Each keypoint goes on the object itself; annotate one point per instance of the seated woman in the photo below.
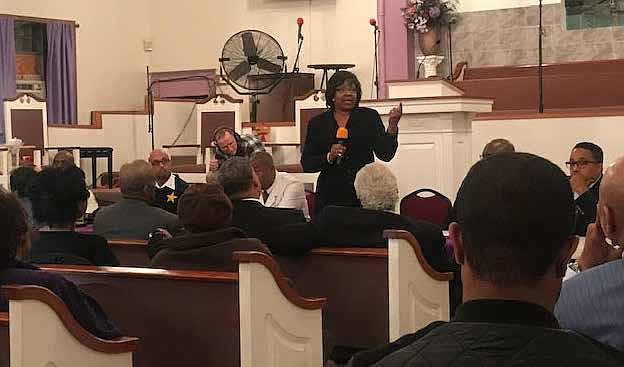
(376, 187)
(14, 243)
(209, 240)
(59, 198)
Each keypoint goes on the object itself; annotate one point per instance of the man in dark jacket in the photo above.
(513, 239)
(241, 184)
(585, 166)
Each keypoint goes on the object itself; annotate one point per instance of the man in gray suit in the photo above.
(133, 217)
(591, 301)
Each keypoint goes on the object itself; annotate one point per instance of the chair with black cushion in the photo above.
(427, 205)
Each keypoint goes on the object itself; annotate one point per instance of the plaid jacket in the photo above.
(247, 145)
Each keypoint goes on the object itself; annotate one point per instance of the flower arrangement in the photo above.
(422, 15)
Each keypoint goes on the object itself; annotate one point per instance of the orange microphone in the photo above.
(342, 135)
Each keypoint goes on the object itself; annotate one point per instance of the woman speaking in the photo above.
(342, 140)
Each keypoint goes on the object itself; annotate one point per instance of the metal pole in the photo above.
(541, 61)
(376, 35)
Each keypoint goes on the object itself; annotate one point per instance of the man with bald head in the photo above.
(169, 186)
(497, 146)
(133, 217)
(591, 301)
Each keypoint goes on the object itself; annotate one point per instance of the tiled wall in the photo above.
(510, 37)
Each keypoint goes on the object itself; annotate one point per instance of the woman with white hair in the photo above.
(377, 189)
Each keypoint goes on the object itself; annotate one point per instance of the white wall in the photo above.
(482, 5)
(553, 138)
(110, 58)
(191, 34)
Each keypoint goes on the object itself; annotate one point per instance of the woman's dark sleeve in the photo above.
(314, 156)
(385, 144)
(85, 309)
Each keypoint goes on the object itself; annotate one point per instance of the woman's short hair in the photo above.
(377, 187)
(13, 227)
(339, 78)
(204, 208)
(57, 194)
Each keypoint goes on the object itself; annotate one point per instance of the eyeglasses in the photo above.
(579, 164)
(156, 162)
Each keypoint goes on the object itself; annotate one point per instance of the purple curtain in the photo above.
(7, 66)
(61, 74)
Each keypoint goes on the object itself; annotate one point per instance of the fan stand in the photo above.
(253, 111)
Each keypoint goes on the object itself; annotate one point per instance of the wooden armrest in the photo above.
(289, 292)
(407, 236)
(145, 273)
(129, 243)
(351, 251)
(4, 318)
(29, 292)
(181, 146)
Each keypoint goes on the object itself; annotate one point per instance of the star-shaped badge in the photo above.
(171, 198)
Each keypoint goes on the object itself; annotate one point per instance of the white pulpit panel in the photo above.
(418, 158)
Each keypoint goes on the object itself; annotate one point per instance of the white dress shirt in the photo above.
(287, 192)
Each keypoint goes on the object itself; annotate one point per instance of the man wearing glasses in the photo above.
(169, 187)
(585, 167)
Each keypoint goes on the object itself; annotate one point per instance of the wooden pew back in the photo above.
(182, 317)
(43, 332)
(355, 283)
(132, 253)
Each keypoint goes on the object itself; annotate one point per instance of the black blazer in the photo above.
(357, 227)
(263, 223)
(586, 208)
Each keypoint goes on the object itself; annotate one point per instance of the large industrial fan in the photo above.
(253, 63)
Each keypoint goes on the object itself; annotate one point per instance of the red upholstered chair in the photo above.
(428, 205)
(311, 199)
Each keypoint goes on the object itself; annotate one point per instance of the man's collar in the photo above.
(498, 311)
(170, 183)
(252, 199)
(270, 188)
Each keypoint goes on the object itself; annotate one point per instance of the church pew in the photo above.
(132, 253)
(417, 293)
(43, 332)
(355, 282)
(4, 339)
(192, 317)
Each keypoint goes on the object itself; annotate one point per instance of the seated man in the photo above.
(241, 184)
(133, 217)
(591, 301)
(497, 146)
(14, 245)
(377, 189)
(512, 268)
(169, 186)
(279, 189)
(209, 240)
(585, 166)
(228, 143)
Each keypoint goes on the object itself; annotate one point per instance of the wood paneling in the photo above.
(279, 105)
(211, 121)
(591, 84)
(28, 126)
